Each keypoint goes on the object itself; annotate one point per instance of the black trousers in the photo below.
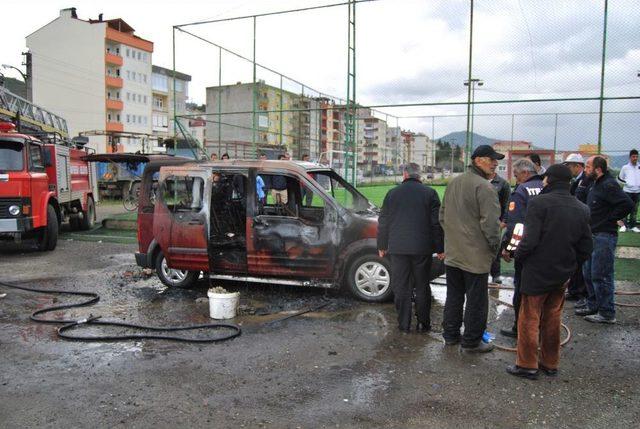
(516, 292)
(411, 273)
(577, 287)
(474, 287)
(495, 265)
(630, 221)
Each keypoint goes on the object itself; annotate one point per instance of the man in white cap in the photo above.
(580, 184)
(577, 289)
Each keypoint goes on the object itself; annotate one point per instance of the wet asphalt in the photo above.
(345, 365)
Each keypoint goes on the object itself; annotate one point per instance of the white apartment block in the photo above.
(162, 88)
(371, 139)
(423, 151)
(97, 75)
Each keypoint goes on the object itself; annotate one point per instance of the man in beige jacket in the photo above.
(470, 216)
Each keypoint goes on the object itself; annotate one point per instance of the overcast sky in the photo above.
(408, 52)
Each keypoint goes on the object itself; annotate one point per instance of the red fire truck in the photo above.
(43, 182)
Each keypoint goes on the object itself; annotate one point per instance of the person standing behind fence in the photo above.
(630, 176)
(608, 204)
(409, 232)
(529, 185)
(556, 240)
(470, 216)
(503, 189)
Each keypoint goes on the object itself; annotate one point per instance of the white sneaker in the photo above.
(623, 229)
(635, 229)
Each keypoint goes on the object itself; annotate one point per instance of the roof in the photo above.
(300, 167)
(169, 72)
(130, 157)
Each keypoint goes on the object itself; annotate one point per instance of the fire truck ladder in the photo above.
(29, 117)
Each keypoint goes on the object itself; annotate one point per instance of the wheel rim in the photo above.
(172, 275)
(372, 279)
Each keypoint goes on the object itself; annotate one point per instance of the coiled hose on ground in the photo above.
(70, 325)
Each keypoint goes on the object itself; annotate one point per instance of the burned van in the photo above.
(278, 222)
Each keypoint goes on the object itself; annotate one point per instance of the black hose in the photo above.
(69, 325)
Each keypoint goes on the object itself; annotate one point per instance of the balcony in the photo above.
(113, 59)
(113, 104)
(114, 82)
(117, 127)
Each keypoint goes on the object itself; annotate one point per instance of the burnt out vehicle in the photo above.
(277, 222)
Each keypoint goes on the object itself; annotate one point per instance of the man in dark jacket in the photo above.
(608, 204)
(529, 186)
(555, 242)
(503, 189)
(577, 289)
(409, 232)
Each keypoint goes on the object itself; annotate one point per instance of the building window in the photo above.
(118, 117)
(128, 96)
(128, 50)
(145, 78)
(144, 120)
(128, 75)
(108, 117)
(144, 99)
(139, 56)
(128, 118)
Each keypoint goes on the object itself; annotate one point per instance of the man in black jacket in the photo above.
(608, 205)
(556, 240)
(503, 189)
(577, 289)
(529, 186)
(409, 232)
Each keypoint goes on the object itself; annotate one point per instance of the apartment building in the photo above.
(424, 151)
(279, 123)
(514, 150)
(371, 137)
(97, 75)
(162, 106)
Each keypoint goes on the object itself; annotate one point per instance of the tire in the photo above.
(174, 278)
(369, 279)
(88, 217)
(47, 236)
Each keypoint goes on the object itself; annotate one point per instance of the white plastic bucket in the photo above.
(223, 305)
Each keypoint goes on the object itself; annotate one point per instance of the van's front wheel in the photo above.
(369, 278)
(171, 277)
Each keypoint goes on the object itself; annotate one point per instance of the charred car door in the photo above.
(180, 219)
(293, 234)
(228, 222)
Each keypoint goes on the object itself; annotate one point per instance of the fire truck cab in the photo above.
(42, 184)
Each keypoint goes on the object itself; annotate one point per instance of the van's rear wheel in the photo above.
(174, 278)
(369, 278)
(47, 236)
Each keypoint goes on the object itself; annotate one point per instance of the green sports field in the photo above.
(376, 194)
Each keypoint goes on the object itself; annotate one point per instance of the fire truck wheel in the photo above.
(88, 216)
(47, 237)
(369, 278)
(174, 278)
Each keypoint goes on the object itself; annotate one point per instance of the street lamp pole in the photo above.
(23, 74)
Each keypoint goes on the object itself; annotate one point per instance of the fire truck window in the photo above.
(11, 156)
(35, 158)
(183, 193)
